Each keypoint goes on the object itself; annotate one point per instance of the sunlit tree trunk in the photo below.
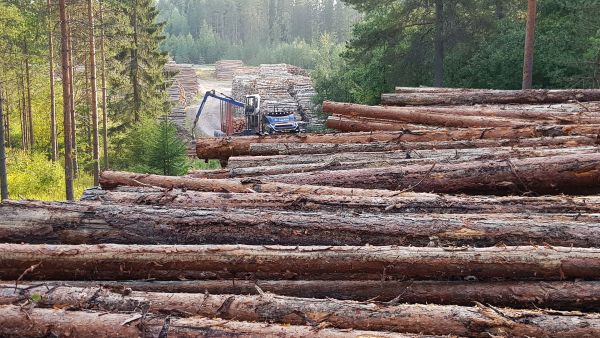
(94, 97)
(73, 116)
(66, 77)
(53, 137)
(104, 109)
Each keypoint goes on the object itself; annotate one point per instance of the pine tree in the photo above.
(166, 152)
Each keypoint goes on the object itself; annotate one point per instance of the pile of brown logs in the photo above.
(475, 231)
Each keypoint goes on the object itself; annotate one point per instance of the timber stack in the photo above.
(225, 69)
(474, 220)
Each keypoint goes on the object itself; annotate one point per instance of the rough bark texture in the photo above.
(250, 164)
(223, 148)
(402, 203)
(477, 321)
(124, 262)
(347, 161)
(578, 296)
(569, 174)
(266, 149)
(112, 179)
(361, 124)
(61, 223)
(491, 96)
(35, 322)
(468, 116)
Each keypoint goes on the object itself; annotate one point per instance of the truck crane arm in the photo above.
(218, 96)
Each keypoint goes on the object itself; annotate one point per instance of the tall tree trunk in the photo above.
(73, 117)
(3, 176)
(104, 108)
(29, 111)
(53, 136)
(499, 9)
(529, 45)
(23, 110)
(7, 118)
(135, 79)
(439, 44)
(94, 97)
(67, 85)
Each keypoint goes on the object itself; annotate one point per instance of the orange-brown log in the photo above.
(20, 322)
(418, 319)
(266, 149)
(125, 262)
(461, 116)
(568, 174)
(357, 124)
(532, 96)
(223, 148)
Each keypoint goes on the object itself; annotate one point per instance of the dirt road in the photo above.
(210, 119)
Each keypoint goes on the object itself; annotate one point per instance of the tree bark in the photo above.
(3, 174)
(363, 124)
(73, 118)
(33, 323)
(94, 97)
(61, 223)
(259, 150)
(568, 174)
(66, 80)
(104, 98)
(223, 148)
(402, 203)
(575, 296)
(463, 116)
(53, 135)
(349, 161)
(112, 179)
(438, 62)
(161, 262)
(529, 44)
(375, 159)
(485, 96)
(30, 133)
(474, 321)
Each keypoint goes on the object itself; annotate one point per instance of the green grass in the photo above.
(33, 176)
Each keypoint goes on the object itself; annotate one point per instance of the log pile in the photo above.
(225, 69)
(280, 85)
(485, 229)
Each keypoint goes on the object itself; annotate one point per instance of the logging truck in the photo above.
(257, 121)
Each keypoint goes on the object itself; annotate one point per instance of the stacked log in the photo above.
(465, 220)
(225, 69)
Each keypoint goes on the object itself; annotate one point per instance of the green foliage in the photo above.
(154, 148)
(256, 31)
(33, 176)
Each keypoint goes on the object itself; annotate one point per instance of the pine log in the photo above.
(126, 262)
(568, 174)
(62, 223)
(346, 161)
(358, 124)
(467, 116)
(476, 321)
(17, 322)
(402, 203)
(113, 179)
(533, 96)
(568, 296)
(273, 149)
(223, 148)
